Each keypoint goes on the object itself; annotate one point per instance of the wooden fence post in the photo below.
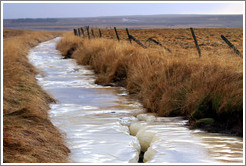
(75, 32)
(156, 42)
(82, 31)
(92, 32)
(116, 33)
(128, 35)
(78, 32)
(231, 45)
(100, 33)
(88, 32)
(137, 41)
(197, 46)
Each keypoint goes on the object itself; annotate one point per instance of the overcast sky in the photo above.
(57, 10)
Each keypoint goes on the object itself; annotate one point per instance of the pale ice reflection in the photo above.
(105, 125)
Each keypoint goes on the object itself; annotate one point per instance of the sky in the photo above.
(64, 10)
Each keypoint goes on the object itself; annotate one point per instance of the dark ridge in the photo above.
(143, 22)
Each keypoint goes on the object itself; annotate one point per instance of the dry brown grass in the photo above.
(9, 33)
(28, 135)
(181, 42)
(171, 84)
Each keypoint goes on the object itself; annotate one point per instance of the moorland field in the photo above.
(207, 90)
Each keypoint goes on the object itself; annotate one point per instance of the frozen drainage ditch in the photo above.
(103, 124)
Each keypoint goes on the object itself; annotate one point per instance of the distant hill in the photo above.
(148, 21)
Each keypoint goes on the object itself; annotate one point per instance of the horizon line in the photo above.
(109, 16)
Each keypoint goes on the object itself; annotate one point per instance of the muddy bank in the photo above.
(28, 134)
(207, 91)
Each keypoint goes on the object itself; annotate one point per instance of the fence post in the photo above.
(156, 42)
(75, 32)
(197, 46)
(137, 41)
(88, 33)
(128, 35)
(231, 45)
(116, 33)
(82, 31)
(78, 31)
(92, 32)
(100, 33)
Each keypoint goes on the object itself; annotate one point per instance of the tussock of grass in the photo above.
(170, 84)
(28, 135)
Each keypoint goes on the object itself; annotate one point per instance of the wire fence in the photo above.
(88, 32)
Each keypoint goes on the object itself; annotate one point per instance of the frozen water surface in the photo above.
(105, 125)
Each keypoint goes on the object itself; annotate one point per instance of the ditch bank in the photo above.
(28, 134)
(204, 90)
(104, 124)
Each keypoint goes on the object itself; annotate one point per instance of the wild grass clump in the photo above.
(28, 135)
(170, 84)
